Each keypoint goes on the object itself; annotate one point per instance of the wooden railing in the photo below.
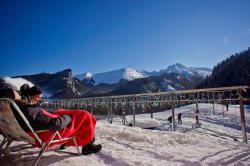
(162, 100)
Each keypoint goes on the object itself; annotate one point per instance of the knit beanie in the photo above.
(35, 90)
(24, 89)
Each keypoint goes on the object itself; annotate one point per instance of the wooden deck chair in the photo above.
(13, 131)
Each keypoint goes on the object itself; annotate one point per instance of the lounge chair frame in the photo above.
(12, 131)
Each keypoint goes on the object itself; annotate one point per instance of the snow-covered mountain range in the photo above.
(63, 84)
(130, 74)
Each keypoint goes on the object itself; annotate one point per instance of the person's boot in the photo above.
(63, 146)
(91, 148)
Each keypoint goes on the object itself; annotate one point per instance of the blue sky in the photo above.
(99, 36)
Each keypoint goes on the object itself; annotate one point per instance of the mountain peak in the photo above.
(88, 75)
(131, 74)
(180, 65)
(115, 76)
(186, 70)
(83, 76)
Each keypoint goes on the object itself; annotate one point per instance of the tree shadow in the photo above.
(232, 159)
(109, 160)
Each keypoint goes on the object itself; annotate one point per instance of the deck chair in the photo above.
(12, 131)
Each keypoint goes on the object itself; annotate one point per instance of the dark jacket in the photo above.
(37, 119)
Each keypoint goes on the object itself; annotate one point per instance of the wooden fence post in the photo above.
(197, 122)
(242, 116)
(213, 109)
(173, 107)
(108, 113)
(91, 108)
(111, 111)
(133, 105)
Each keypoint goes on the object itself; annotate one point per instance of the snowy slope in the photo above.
(116, 75)
(129, 146)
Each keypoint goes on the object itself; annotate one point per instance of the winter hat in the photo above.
(24, 89)
(35, 90)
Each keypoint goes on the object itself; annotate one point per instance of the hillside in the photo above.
(233, 71)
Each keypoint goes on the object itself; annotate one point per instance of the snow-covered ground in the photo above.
(213, 122)
(212, 143)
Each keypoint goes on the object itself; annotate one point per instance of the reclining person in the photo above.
(78, 123)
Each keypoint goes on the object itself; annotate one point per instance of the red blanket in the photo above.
(82, 127)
